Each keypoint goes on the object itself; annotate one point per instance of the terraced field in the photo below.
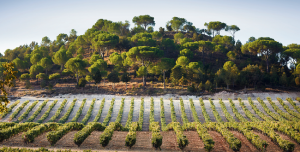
(147, 124)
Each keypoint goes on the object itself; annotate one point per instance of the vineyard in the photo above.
(152, 124)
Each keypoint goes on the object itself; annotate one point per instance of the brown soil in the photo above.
(246, 144)
(283, 136)
(17, 140)
(92, 141)
(143, 141)
(67, 141)
(220, 143)
(169, 141)
(195, 143)
(272, 146)
(117, 141)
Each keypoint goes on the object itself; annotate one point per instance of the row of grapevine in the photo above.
(110, 110)
(29, 109)
(215, 112)
(280, 112)
(234, 143)
(65, 117)
(120, 114)
(130, 139)
(141, 115)
(38, 130)
(98, 116)
(15, 129)
(286, 145)
(249, 134)
(269, 112)
(46, 114)
(286, 129)
(173, 114)
(258, 112)
(293, 104)
(14, 114)
(79, 111)
(156, 139)
(38, 111)
(81, 135)
(194, 112)
(89, 112)
(56, 135)
(105, 137)
(4, 125)
(42, 149)
(236, 112)
(227, 114)
(130, 114)
(162, 115)
(247, 112)
(204, 113)
(58, 111)
(290, 111)
(9, 109)
(182, 141)
(247, 131)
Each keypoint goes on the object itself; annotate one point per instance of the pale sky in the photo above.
(22, 22)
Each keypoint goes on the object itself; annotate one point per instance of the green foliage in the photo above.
(130, 114)
(38, 130)
(81, 135)
(78, 113)
(82, 82)
(11, 131)
(131, 136)
(144, 20)
(105, 137)
(9, 109)
(188, 53)
(56, 135)
(141, 115)
(176, 23)
(89, 113)
(120, 114)
(65, 117)
(57, 113)
(38, 111)
(29, 109)
(110, 110)
(204, 112)
(100, 111)
(46, 114)
(15, 113)
(35, 69)
(142, 71)
(215, 26)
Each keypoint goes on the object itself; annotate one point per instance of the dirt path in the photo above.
(169, 141)
(272, 146)
(67, 141)
(283, 136)
(117, 141)
(143, 141)
(195, 143)
(247, 146)
(220, 143)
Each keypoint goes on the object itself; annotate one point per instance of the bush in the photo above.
(27, 84)
(192, 88)
(43, 84)
(82, 82)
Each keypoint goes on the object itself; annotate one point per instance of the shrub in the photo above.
(192, 88)
(82, 82)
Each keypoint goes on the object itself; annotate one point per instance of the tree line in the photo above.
(179, 53)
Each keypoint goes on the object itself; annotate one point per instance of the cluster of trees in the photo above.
(182, 55)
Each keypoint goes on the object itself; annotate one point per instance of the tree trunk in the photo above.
(144, 81)
(37, 81)
(126, 85)
(104, 82)
(77, 78)
(164, 79)
(113, 85)
(97, 86)
(227, 86)
(267, 65)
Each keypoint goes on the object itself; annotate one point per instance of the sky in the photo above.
(22, 22)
